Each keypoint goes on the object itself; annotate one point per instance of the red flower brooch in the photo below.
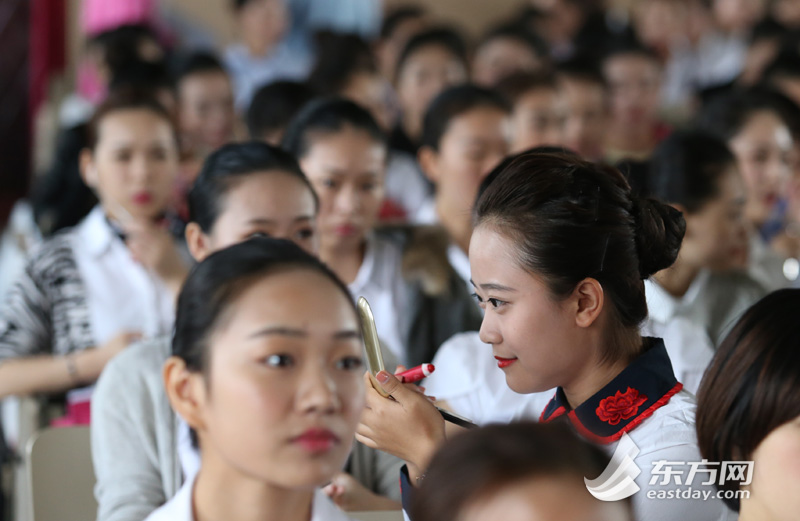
(620, 406)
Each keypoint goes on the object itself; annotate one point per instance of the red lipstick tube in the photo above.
(415, 374)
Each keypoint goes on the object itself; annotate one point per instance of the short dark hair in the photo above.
(476, 464)
(120, 46)
(329, 116)
(226, 167)
(443, 37)
(274, 105)
(397, 16)
(630, 47)
(142, 75)
(727, 114)
(752, 386)
(200, 62)
(519, 33)
(452, 103)
(217, 281)
(517, 85)
(686, 169)
(582, 68)
(572, 219)
(339, 58)
(123, 99)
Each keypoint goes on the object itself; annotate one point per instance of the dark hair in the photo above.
(142, 75)
(329, 116)
(397, 16)
(226, 167)
(629, 47)
(517, 85)
(125, 99)
(220, 278)
(201, 62)
(443, 37)
(582, 68)
(339, 58)
(752, 386)
(769, 29)
(572, 219)
(686, 169)
(274, 105)
(477, 464)
(785, 65)
(727, 114)
(120, 46)
(452, 103)
(518, 33)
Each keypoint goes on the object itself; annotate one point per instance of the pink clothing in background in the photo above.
(98, 16)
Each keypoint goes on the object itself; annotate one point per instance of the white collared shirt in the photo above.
(689, 346)
(179, 508)
(120, 293)
(468, 379)
(380, 281)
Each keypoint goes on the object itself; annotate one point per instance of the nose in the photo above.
(348, 201)
(318, 392)
(489, 334)
(140, 167)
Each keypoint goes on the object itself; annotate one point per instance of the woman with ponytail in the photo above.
(558, 258)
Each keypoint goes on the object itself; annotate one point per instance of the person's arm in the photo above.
(52, 373)
(126, 416)
(408, 425)
(26, 365)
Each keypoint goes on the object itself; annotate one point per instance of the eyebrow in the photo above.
(344, 334)
(339, 172)
(492, 286)
(259, 220)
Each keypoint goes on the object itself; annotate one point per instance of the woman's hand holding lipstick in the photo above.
(408, 426)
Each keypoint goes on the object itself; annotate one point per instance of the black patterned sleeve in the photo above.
(25, 318)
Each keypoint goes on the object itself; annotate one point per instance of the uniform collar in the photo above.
(96, 232)
(633, 396)
(662, 306)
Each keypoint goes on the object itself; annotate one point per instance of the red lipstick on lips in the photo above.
(345, 230)
(504, 362)
(142, 198)
(317, 440)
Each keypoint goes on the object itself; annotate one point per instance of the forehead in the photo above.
(271, 192)
(479, 122)
(492, 255)
(133, 123)
(298, 298)
(348, 146)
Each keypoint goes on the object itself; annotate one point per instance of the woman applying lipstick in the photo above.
(272, 393)
(418, 299)
(558, 257)
(91, 290)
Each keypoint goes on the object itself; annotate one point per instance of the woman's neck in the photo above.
(412, 126)
(457, 222)
(345, 261)
(221, 493)
(752, 509)
(677, 279)
(594, 375)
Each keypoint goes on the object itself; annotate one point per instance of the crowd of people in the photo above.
(587, 218)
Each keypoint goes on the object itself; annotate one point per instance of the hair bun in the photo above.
(659, 232)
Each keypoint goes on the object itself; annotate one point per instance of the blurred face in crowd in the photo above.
(587, 117)
(424, 75)
(544, 499)
(786, 12)
(134, 164)
(660, 23)
(371, 91)
(266, 204)
(738, 16)
(716, 236)
(500, 57)
(763, 150)
(538, 118)
(347, 170)
(634, 83)
(473, 144)
(283, 390)
(389, 49)
(206, 112)
(263, 24)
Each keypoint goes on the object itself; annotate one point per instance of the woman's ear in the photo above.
(589, 297)
(428, 159)
(186, 391)
(197, 241)
(88, 170)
